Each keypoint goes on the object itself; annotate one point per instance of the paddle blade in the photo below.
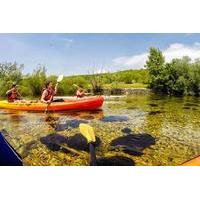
(75, 85)
(88, 132)
(60, 78)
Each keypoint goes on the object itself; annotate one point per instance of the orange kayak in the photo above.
(192, 162)
(90, 103)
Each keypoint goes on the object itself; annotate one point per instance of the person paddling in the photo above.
(13, 94)
(80, 93)
(49, 92)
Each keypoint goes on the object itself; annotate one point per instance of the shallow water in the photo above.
(173, 122)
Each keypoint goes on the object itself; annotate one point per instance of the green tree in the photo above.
(155, 66)
(9, 73)
(36, 81)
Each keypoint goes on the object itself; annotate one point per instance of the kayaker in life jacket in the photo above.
(80, 93)
(49, 92)
(13, 94)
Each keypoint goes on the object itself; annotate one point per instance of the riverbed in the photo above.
(174, 122)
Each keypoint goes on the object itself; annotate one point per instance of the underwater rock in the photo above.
(55, 141)
(74, 123)
(127, 130)
(132, 144)
(131, 107)
(115, 119)
(115, 161)
(191, 104)
(153, 105)
(49, 118)
(155, 112)
(28, 147)
(186, 108)
(194, 109)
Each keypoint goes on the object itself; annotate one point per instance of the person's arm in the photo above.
(44, 94)
(82, 93)
(19, 94)
(9, 91)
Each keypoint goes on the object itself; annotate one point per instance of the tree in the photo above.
(36, 81)
(155, 66)
(9, 73)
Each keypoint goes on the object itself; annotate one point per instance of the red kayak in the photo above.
(87, 103)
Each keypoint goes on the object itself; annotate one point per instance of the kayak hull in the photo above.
(193, 162)
(93, 103)
(8, 156)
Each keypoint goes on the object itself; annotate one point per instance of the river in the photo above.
(174, 122)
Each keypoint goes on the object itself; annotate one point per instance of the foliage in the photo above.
(9, 73)
(178, 77)
(35, 82)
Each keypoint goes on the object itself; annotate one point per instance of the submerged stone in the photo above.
(186, 108)
(194, 109)
(55, 141)
(155, 112)
(115, 119)
(115, 161)
(131, 107)
(127, 130)
(132, 144)
(153, 105)
(28, 147)
(191, 104)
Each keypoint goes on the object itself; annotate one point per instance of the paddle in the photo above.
(59, 79)
(88, 132)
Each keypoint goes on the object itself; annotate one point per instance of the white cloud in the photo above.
(175, 50)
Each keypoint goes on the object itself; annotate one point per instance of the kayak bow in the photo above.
(8, 155)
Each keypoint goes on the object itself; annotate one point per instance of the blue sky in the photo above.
(70, 54)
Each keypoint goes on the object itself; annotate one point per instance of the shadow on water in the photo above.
(56, 141)
(115, 119)
(61, 121)
(88, 115)
(133, 144)
(69, 124)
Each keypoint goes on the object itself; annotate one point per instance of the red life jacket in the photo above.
(12, 96)
(50, 94)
